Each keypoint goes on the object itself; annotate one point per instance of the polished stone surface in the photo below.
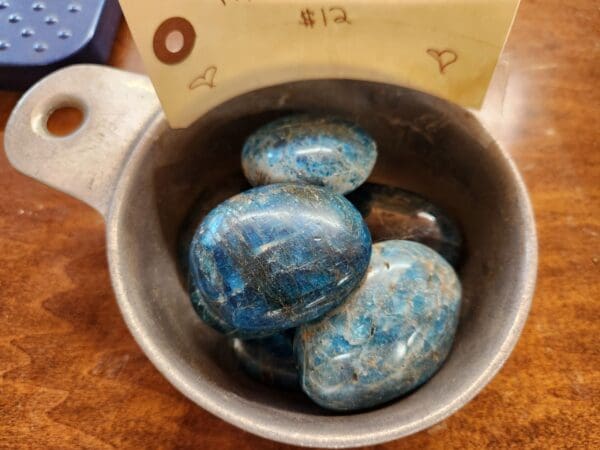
(389, 337)
(207, 314)
(269, 360)
(275, 257)
(393, 213)
(206, 200)
(320, 150)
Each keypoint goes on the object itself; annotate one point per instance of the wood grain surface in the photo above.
(71, 376)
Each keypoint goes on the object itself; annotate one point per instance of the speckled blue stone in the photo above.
(393, 213)
(269, 360)
(389, 337)
(207, 315)
(319, 150)
(275, 257)
(206, 200)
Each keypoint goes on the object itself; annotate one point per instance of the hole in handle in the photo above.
(58, 116)
(64, 120)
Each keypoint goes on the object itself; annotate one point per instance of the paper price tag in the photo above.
(201, 53)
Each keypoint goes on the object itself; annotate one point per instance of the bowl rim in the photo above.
(290, 432)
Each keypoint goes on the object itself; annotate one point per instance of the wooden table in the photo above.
(72, 376)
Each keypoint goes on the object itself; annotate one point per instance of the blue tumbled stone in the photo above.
(275, 257)
(269, 360)
(308, 149)
(393, 213)
(389, 337)
(206, 200)
(208, 316)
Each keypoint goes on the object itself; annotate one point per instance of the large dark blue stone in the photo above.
(388, 337)
(304, 148)
(269, 360)
(275, 257)
(393, 213)
(206, 200)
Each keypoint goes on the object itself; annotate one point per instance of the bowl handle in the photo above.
(86, 163)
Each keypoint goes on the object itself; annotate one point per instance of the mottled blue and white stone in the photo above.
(390, 336)
(269, 360)
(393, 213)
(275, 257)
(319, 150)
(206, 200)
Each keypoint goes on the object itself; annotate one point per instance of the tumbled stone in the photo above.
(206, 200)
(389, 337)
(207, 315)
(319, 150)
(269, 360)
(393, 213)
(275, 257)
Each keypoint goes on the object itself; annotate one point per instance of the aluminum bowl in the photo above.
(143, 177)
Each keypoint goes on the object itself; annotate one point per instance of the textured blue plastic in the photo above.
(38, 37)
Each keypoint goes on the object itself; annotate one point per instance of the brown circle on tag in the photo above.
(178, 24)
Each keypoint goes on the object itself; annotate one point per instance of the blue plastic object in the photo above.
(38, 37)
